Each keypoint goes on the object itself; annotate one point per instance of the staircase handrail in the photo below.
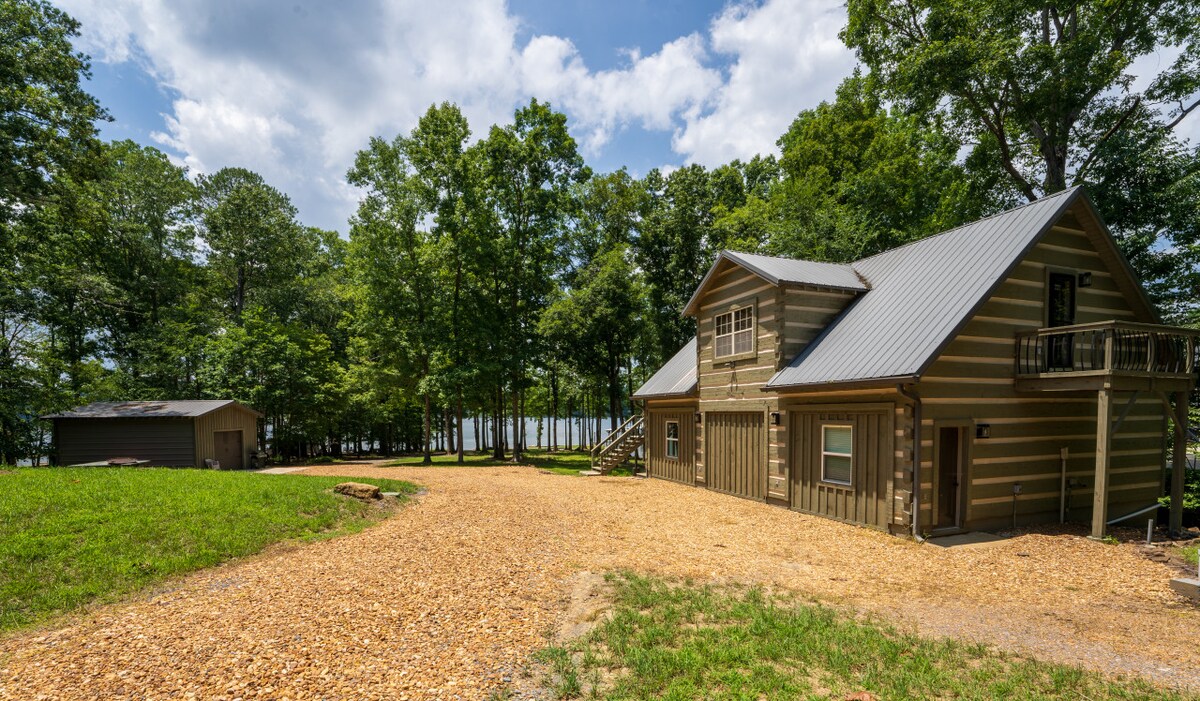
(616, 437)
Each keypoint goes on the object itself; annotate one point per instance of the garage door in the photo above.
(735, 453)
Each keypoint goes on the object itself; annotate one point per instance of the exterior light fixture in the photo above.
(983, 431)
(776, 418)
(1085, 279)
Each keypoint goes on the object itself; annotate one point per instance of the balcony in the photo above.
(1117, 355)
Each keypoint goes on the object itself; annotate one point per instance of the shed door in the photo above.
(229, 449)
(735, 453)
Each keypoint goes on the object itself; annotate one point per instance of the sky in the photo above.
(292, 90)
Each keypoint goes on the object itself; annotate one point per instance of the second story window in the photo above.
(735, 332)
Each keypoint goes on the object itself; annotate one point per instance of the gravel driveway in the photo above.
(447, 597)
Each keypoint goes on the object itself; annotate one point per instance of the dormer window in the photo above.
(734, 332)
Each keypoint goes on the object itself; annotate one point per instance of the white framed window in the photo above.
(837, 453)
(673, 440)
(734, 332)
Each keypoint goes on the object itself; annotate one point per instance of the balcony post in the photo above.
(1103, 448)
(1109, 333)
(1178, 462)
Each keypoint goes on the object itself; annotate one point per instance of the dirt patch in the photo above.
(449, 597)
(587, 602)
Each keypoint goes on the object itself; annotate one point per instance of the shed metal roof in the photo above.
(678, 378)
(921, 294)
(785, 271)
(184, 408)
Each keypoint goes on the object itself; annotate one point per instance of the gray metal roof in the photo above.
(677, 378)
(921, 294)
(785, 271)
(184, 408)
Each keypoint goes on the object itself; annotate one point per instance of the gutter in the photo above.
(916, 479)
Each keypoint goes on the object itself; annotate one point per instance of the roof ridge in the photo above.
(964, 225)
(789, 258)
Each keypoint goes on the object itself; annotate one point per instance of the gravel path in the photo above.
(446, 598)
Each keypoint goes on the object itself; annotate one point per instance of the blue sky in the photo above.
(293, 91)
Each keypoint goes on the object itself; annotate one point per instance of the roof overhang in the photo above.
(864, 383)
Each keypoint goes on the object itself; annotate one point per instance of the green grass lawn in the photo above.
(73, 536)
(568, 462)
(668, 641)
(1191, 555)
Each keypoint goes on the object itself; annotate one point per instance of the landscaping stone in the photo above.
(358, 490)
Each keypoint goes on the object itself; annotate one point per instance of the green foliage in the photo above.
(679, 641)
(859, 179)
(1043, 93)
(1191, 495)
(47, 120)
(79, 535)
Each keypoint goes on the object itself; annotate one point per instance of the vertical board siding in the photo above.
(165, 442)
(230, 418)
(973, 380)
(658, 464)
(868, 498)
(736, 447)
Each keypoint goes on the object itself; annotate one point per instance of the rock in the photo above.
(358, 490)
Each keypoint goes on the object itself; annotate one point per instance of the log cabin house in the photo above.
(1013, 368)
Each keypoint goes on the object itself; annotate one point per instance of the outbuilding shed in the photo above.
(182, 433)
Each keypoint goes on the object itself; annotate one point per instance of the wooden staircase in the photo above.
(618, 445)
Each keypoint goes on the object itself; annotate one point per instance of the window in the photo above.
(673, 439)
(837, 454)
(735, 332)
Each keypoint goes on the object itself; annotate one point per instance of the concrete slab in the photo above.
(974, 539)
(1187, 587)
(590, 473)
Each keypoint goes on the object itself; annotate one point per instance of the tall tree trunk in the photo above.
(498, 424)
(553, 410)
(461, 443)
(516, 417)
(427, 457)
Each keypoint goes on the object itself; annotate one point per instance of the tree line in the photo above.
(486, 278)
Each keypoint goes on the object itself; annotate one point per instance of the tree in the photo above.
(531, 166)
(859, 179)
(149, 262)
(595, 323)
(673, 250)
(1044, 93)
(254, 241)
(47, 120)
(1047, 84)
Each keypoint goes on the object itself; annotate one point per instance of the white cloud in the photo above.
(787, 57)
(294, 91)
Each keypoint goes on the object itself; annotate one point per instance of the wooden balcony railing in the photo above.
(1109, 347)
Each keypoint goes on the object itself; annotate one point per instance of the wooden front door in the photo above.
(229, 449)
(951, 444)
(735, 453)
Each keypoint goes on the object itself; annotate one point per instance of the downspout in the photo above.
(916, 478)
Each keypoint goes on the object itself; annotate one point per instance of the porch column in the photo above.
(1178, 462)
(1103, 448)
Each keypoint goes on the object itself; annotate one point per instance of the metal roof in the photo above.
(785, 271)
(921, 294)
(678, 378)
(185, 408)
